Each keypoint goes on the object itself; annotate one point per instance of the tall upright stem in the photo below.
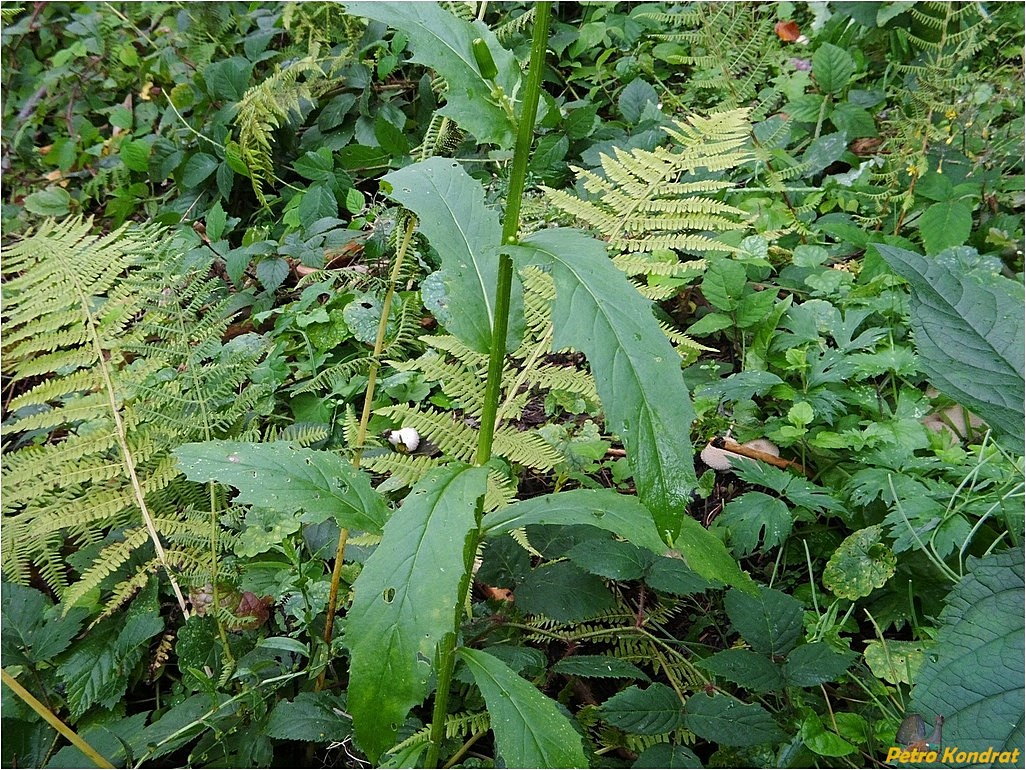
(446, 653)
(510, 228)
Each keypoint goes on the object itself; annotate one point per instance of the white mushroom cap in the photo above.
(408, 438)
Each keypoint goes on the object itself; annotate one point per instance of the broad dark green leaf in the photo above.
(723, 719)
(318, 717)
(668, 755)
(625, 516)
(815, 663)
(530, 730)
(284, 478)
(769, 622)
(450, 207)
(633, 99)
(272, 272)
(108, 739)
(96, 669)
(599, 667)
(749, 669)
(563, 592)
(832, 67)
(612, 559)
(51, 202)
(969, 335)
(973, 676)
(723, 284)
(318, 201)
(675, 577)
(637, 371)
(181, 723)
(197, 168)
(405, 601)
(655, 710)
(444, 43)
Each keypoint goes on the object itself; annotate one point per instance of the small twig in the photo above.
(728, 445)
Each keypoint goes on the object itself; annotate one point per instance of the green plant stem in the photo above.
(446, 656)
(94, 756)
(510, 228)
(361, 433)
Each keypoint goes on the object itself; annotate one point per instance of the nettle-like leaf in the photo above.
(973, 675)
(969, 333)
(636, 369)
(444, 43)
(723, 719)
(403, 603)
(452, 214)
(96, 670)
(747, 668)
(530, 730)
(283, 478)
(770, 622)
(656, 710)
(312, 716)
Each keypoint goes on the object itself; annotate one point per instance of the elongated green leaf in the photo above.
(287, 479)
(530, 731)
(603, 508)
(406, 599)
(444, 43)
(969, 335)
(973, 675)
(627, 517)
(466, 234)
(599, 667)
(637, 372)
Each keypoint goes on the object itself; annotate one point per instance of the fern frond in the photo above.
(640, 204)
(153, 374)
(326, 380)
(267, 106)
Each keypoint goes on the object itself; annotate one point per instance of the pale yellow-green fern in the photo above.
(113, 348)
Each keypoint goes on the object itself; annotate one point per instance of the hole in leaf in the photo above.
(388, 595)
